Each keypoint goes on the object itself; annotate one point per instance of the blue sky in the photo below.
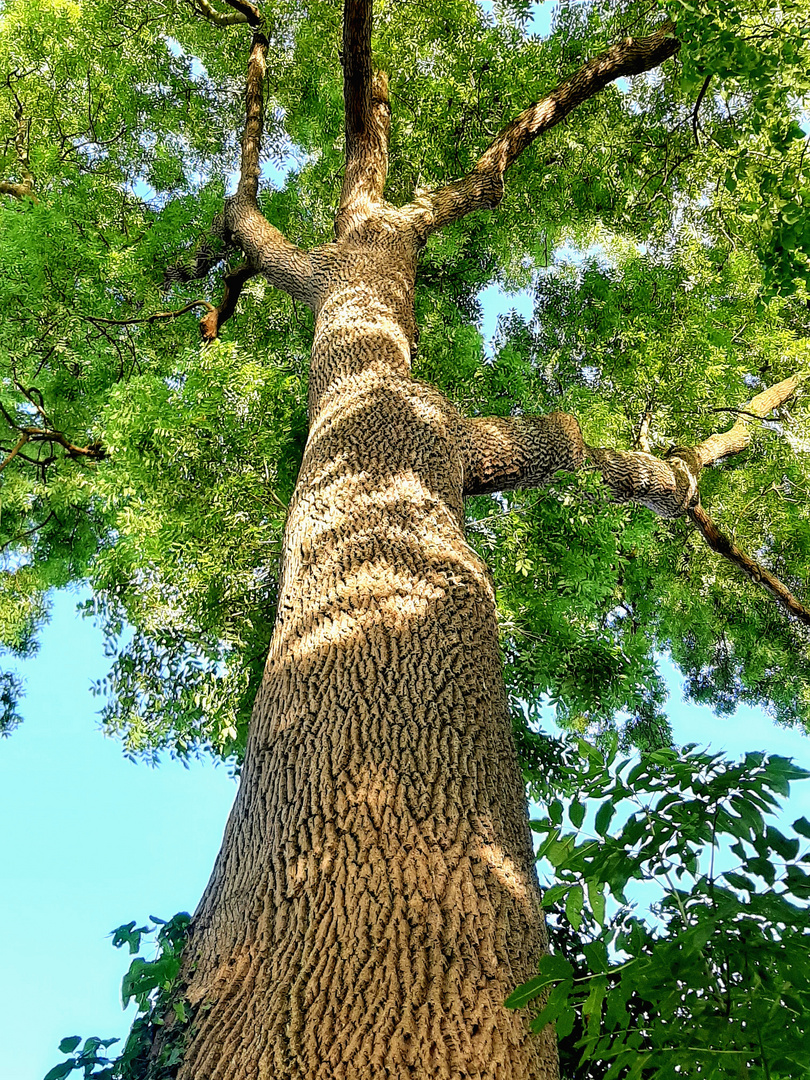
(89, 842)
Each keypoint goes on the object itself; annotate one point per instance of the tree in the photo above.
(375, 899)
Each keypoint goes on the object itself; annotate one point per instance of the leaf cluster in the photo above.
(715, 980)
(151, 984)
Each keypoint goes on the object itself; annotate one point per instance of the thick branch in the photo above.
(357, 72)
(726, 547)
(482, 187)
(503, 453)
(506, 453)
(284, 265)
(738, 437)
(216, 317)
(270, 253)
(367, 118)
(254, 118)
(220, 18)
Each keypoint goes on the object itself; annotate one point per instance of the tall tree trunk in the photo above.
(375, 899)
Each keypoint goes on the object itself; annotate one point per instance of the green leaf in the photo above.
(604, 816)
(556, 1008)
(592, 1007)
(527, 991)
(596, 900)
(69, 1044)
(555, 893)
(573, 906)
(576, 813)
(59, 1071)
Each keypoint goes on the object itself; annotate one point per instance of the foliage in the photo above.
(615, 586)
(661, 230)
(715, 981)
(151, 984)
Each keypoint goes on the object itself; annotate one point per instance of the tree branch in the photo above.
(505, 453)
(265, 248)
(23, 439)
(242, 223)
(28, 532)
(643, 437)
(18, 191)
(723, 545)
(219, 18)
(25, 188)
(151, 318)
(500, 454)
(210, 250)
(698, 103)
(367, 119)
(216, 317)
(253, 17)
(93, 452)
(482, 187)
(254, 118)
(738, 437)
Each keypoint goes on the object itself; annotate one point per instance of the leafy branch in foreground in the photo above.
(716, 981)
(151, 984)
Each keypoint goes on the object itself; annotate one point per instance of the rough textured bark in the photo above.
(368, 121)
(375, 899)
(503, 453)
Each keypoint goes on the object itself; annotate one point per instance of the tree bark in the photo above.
(375, 899)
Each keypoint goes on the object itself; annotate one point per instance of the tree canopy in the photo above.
(662, 231)
(654, 206)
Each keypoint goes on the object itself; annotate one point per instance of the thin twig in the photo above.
(698, 103)
(151, 318)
